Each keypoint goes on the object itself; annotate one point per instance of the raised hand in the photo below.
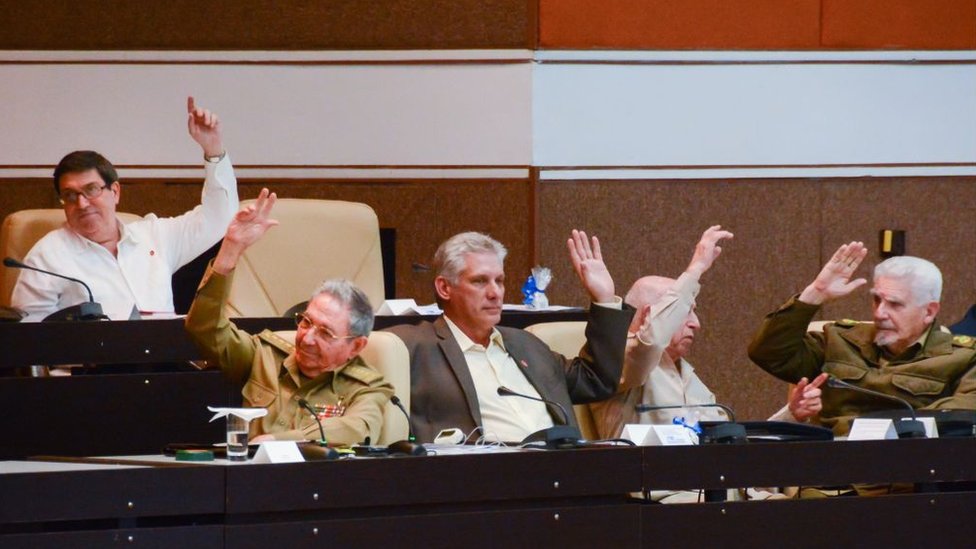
(204, 128)
(805, 400)
(590, 268)
(707, 250)
(247, 227)
(834, 280)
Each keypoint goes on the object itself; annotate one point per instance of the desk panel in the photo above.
(184, 537)
(111, 414)
(426, 481)
(567, 526)
(915, 520)
(720, 466)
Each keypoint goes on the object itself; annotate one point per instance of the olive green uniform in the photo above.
(936, 373)
(265, 363)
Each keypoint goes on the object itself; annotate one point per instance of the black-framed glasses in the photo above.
(303, 321)
(91, 191)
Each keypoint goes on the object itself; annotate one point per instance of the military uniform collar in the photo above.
(934, 342)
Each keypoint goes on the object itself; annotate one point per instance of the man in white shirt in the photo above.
(458, 362)
(655, 371)
(129, 267)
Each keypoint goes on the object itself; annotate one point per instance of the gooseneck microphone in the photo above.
(912, 428)
(642, 408)
(329, 452)
(89, 310)
(505, 391)
(557, 436)
(409, 446)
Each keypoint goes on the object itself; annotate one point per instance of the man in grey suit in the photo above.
(458, 362)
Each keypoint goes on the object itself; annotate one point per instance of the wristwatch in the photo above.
(215, 159)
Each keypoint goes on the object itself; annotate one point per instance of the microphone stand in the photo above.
(327, 453)
(905, 428)
(87, 310)
(555, 437)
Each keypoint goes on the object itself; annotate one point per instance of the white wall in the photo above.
(574, 114)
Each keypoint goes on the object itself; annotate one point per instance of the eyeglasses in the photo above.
(91, 191)
(304, 322)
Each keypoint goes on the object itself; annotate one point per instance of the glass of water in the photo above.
(237, 428)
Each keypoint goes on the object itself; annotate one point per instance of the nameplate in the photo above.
(658, 435)
(872, 429)
(278, 451)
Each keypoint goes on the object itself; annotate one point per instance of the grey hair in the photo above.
(354, 300)
(449, 258)
(923, 277)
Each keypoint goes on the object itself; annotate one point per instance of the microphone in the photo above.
(409, 446)
(557, 436)
(643, 408)
(330, 453)
(912, 428)
(723, 432)
(89, 310)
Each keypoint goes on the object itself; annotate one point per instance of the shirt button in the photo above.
(281, 422)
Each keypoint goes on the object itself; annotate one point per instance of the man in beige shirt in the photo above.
(661, 335)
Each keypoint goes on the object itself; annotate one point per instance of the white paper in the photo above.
(636, 433)
(872, 429)
(397, 307)
(278, 451)
(246, 414)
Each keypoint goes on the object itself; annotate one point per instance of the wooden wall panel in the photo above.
(757, 24)
(424, 212)
(257, 25)
(899, 24)
(784, 231)
(688, 24)
(936, 214)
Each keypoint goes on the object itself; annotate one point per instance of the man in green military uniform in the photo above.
(322, 364)
(903, 353)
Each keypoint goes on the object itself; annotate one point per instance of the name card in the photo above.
(872, 429)
(658, 435)
(278, 451)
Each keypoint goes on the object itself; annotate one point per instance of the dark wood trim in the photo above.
(284, 25)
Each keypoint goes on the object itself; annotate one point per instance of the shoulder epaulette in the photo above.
(278, 342)
(361, 372)
(846, 323)
(964, 341)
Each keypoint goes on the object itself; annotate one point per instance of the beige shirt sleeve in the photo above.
(644, 353)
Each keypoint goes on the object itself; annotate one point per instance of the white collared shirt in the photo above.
(150, 250)
(504, 418)
(666, 385)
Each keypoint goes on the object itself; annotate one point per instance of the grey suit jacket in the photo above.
(442, 392)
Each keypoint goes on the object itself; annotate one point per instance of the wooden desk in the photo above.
(566, 498)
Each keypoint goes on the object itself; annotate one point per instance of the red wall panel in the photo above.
(685, 24)
(899, 24)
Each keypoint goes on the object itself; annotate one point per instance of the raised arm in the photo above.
(834, 280)
(204, 128)
(247, 227)
(590, 268)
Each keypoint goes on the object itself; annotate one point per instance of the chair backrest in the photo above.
(387, 353)
(314, 241)
(567, 338)
(21, 230)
